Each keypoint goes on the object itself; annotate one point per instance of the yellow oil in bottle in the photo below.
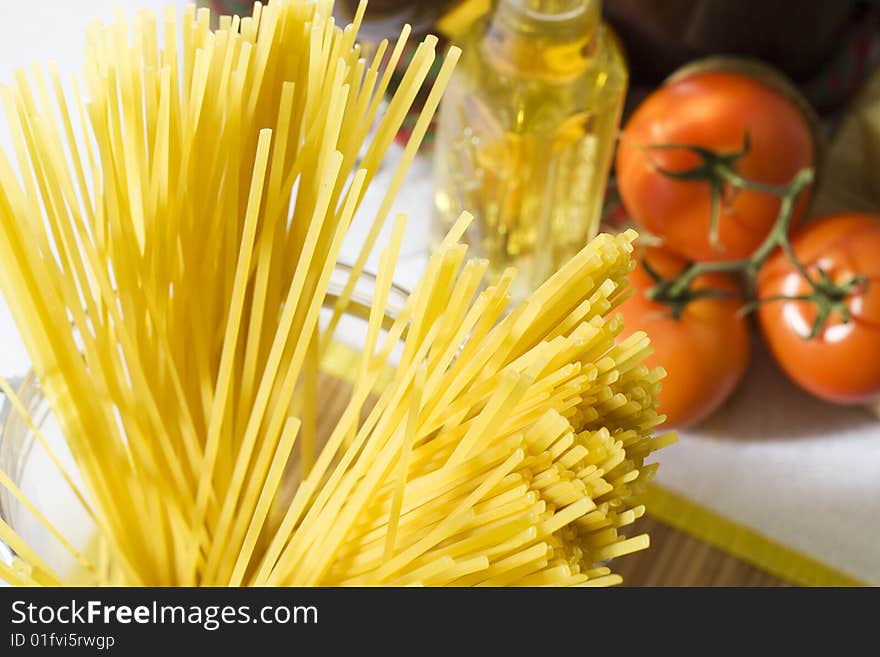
(526, 133)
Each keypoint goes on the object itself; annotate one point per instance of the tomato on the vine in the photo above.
(705, 351)
(714, 110)
(842, 363)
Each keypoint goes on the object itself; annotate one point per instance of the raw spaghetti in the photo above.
(167, 243)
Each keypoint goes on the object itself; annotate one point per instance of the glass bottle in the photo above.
(526, 133)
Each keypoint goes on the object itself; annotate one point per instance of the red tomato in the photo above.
(713, 110)
(842, 364)
(705, 352)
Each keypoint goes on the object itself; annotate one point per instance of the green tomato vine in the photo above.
(718, 170)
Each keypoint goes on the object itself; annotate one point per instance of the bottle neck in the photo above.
(551, 39)
(549, 15)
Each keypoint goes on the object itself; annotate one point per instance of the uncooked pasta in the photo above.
(168, 231)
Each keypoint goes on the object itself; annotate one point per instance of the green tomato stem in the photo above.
(719, 171)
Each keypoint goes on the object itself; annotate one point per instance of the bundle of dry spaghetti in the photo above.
(166, 245)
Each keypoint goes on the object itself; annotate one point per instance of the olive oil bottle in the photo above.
(526, 133)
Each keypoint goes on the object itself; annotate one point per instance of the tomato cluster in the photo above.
(685, 177)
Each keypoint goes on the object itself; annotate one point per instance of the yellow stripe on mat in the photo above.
(740, 541)
(676, 511)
